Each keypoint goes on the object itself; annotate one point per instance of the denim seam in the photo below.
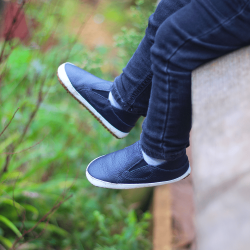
(214, 9)
(131, 100)
(217, 11)
(141, 88)
(185, 42)
(168, 157)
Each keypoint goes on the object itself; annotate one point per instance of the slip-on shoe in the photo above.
(126, 169)
(92, 92)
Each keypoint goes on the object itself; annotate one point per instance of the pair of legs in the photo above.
(181, 36)
(156, 83)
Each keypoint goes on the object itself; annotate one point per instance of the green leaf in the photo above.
(10, 225)
(20, 207)
(6, 241)
(49, 227)
(11, 176)
(19, 61)
(11, 203)
(5, 143)
(19, 57)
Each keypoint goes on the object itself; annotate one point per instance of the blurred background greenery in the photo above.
(45, 148)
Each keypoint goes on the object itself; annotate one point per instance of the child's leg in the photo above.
(132, 88)
(201, 31)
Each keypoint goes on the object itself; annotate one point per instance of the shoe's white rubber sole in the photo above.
(64, 80)
(104, 184)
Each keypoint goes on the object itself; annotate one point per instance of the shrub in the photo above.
(48, 140)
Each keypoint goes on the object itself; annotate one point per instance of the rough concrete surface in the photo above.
(221, 152)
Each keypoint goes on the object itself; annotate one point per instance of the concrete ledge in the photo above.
(221, 152)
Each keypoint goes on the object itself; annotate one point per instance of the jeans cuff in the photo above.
(125, 106)
(162, 154)
(118, 98)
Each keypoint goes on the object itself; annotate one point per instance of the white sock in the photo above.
(113, 101)
(152, 161)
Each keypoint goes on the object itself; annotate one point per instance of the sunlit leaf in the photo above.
(11, 203)
(6, 241)
(10, 225)
(5, 143)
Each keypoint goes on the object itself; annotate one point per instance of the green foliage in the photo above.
(61, 138)
(10, 225)
(128, 40)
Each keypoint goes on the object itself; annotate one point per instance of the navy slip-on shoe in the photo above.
(126, 169)
(92, 92)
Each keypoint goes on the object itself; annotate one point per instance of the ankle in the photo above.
(113, 101)
(152, 161)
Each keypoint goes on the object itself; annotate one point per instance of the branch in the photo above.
(9, 122)
(13, 153)
(23, 216)
(31, 117)
(54, 208)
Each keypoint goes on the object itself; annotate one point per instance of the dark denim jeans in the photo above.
(156, 82)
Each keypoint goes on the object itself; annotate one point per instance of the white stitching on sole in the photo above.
(66, 82)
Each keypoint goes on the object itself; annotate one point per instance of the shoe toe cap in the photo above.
(98, 169)
(77, 76)
(110, 168)
(81, 79)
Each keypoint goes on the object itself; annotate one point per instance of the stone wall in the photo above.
(221, 152)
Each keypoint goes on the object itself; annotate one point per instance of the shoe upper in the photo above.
(127, 166)
(96, 91)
